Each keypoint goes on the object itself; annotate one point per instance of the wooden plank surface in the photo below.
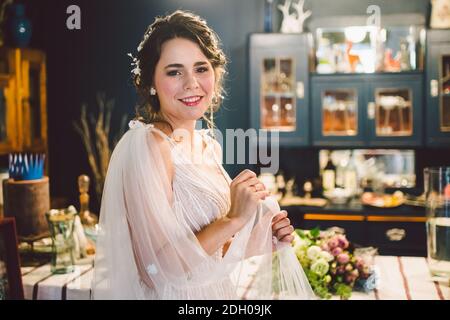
(401, 278)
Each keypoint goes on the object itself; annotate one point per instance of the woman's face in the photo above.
(184, 80)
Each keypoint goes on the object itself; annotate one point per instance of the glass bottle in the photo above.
(329, 175)
(351, 177)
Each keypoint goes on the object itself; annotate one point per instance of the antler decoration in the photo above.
(285, 8)
(301, 16)
(293, 23)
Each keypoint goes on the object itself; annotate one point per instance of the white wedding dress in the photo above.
(147, 248)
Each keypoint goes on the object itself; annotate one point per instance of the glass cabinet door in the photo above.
(3, 116)
(279, 87)
(339, 112)
(8, 125)
(438, 88)
(444, 90)
(23, 120)
(394, 112)
(34, 99)
(278, 107)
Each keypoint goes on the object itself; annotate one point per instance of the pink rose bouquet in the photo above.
(331, 263)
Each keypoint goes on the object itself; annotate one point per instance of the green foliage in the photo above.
(343, 290)
(318, 285)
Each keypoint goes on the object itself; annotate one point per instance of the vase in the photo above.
(268, 12)
(61, 224)
(437, 192)
(19, 26)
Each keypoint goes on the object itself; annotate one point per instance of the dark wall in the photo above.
(83, 62)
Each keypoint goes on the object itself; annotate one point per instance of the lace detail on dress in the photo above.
(202, 185)
(137, 124)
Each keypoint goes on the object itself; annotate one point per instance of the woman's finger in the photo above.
(281, 215)
(250, 182)
(262, 194)
(284, 231)
(259, 187)
(281, 224)
(288, 238)
(244, 175)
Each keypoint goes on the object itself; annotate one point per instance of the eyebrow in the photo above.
(179, 65)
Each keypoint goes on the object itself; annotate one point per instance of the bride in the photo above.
(173, 224)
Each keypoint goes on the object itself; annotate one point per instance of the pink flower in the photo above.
(336, 251)
(343, 258)
(342, 241)
(333, 243)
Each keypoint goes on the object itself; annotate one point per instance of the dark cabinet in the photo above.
(391, 234)
(438, 88)
(376, 110)
(397, 237)
(279, 85)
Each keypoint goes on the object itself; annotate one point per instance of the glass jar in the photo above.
(61, 226)
(438, 220)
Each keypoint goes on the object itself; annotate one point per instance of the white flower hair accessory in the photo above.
(136, 71)
(135, 64)
(141, 44)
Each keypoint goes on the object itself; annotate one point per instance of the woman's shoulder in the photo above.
(159, 140)
(160, 137)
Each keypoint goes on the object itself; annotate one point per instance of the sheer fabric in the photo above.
(147, 248)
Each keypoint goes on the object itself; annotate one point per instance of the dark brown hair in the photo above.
(179, 24)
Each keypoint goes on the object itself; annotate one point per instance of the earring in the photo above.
(152, 91)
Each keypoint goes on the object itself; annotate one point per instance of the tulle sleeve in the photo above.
(144, 239)
(145, 248)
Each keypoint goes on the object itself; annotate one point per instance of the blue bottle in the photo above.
(19, 26)
(268, 11)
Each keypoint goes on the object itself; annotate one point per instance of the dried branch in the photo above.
(97, 146)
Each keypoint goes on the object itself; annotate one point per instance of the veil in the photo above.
(146, 249)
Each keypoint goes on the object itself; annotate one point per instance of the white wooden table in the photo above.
(401, 278)
(40, 284)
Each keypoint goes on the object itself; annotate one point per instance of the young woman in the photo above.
(173, 225)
